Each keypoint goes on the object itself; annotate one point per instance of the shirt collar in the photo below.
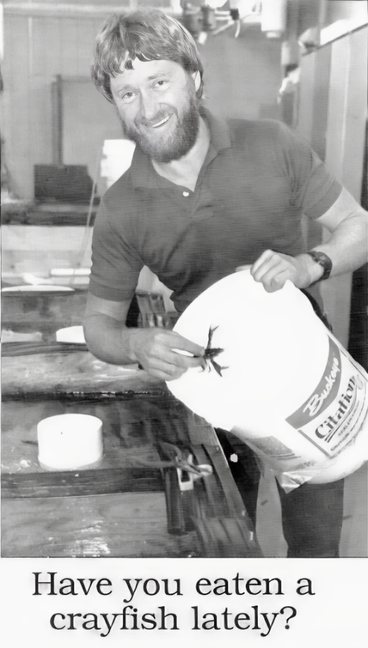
(144, 175)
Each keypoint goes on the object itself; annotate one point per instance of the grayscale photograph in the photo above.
(184, 280)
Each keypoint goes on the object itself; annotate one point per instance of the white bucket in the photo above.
(287, 388)
(69, 442)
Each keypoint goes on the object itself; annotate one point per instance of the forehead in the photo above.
(144, 71)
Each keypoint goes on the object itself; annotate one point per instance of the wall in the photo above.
(43, 40)
(36, 49)
(345, 10)
(242, 75)
(332, 117)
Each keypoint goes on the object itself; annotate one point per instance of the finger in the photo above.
(265, 256)
(273, 282)
(183, 344)
(174, 375)
(186, 361)
(274, 265)
(181, 359)
(243, 267)
(164, 371)
(160, 353)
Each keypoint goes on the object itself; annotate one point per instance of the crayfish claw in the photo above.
(217, 367)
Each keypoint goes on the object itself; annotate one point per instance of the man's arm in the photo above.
(347, 248)
(155, 349)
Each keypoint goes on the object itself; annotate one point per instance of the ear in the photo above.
(196, 76)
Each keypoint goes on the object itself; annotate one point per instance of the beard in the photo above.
(174, 145)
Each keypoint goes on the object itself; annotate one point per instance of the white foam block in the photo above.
(69, 442)
(71, 334)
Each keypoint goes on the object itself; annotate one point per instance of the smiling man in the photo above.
(202, 198)
(164, 131)
(159, 110)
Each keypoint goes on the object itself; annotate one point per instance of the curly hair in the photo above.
(146, 34)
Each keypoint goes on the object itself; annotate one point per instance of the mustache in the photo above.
(160, 115)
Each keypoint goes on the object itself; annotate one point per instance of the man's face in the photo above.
(158, 107)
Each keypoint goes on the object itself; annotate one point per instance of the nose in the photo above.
(149, 106)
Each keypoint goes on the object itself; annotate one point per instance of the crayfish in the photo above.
(210, 353)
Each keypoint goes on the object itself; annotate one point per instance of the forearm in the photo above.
(347, 248)
(157, 350)
(110, 340)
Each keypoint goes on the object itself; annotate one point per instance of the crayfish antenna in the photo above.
(210, 334)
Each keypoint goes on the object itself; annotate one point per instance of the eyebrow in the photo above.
(152, 77)
(124, 88)
(158, 74)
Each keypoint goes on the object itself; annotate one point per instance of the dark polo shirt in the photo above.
(257, 180)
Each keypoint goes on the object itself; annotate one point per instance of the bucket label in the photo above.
(333, 414)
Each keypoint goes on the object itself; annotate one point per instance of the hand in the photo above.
(273, 269)
(158, 351)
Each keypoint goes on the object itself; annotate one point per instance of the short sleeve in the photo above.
(314, 188)
(115, 264)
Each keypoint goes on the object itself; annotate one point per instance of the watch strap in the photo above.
(323, 260)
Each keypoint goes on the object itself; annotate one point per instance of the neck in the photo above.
(185, 171)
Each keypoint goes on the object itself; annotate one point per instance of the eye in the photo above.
(127, 97)
(161, 83)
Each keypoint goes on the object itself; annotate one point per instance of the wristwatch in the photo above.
(323, 260)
